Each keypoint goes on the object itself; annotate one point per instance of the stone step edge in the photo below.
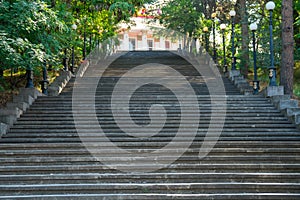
(288, 107)
(240, 82)
(65, 76)
(14, 109)
(92, 174)
(26, 97)
(284, 103)
(133, 185)
(159, 196)
(60, 83)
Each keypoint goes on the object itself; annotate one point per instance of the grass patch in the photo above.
(297, 89)
(13, 80)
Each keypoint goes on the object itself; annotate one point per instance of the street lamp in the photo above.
(74, 27)
(44, 83)
(205, 30)
(65, 60)
(223, 27)
(213, 16)
(253, 28)
(84, 31)
(84, 40)
(232, 14)
(272, 70)
(29, 78)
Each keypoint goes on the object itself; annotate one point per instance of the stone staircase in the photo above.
(44, 157)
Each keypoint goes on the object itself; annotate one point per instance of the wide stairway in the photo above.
(166, 143)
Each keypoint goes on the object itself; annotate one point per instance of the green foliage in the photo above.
(297, 79)
(122, 10)
(2, 85)
(28, 33)
(172, 17)
(261, 16)
(32, 32)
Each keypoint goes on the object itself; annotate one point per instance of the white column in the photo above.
(144, 41)
(162, 44)
(126, 41)
(198, 45)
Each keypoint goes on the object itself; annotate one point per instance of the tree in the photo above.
(29, 34)
(297, 28)
(187, 18)
(32, 32)
(245, 38)
(287, 55)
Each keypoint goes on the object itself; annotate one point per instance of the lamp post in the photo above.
(65, 60)
(232, 14)
(74, 27)
(84, 42)
(272, 70)
(29, 78)
(44, 83)
(205, 30)
(213, 16)
(84, 32)
(223, 27)
(253, 28)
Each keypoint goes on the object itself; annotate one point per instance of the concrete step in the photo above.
(159, 196)
(149, 177)
(115, 157)
(204, 117)
(159, 144)
(110, 120)
(142, 188)
(258, 145)
(172, 168)
(146, 105)
(57, 151)
(203, 112)
(156, 124)
(238, 98)
(235, 131)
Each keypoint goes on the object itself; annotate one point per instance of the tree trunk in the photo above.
(53, 3)
(245, 39)
(287, 54)
(1, 70)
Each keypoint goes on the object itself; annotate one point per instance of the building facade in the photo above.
(143, 37)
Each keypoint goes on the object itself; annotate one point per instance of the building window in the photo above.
(132, 44)
(167, 44)
(150, 44)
